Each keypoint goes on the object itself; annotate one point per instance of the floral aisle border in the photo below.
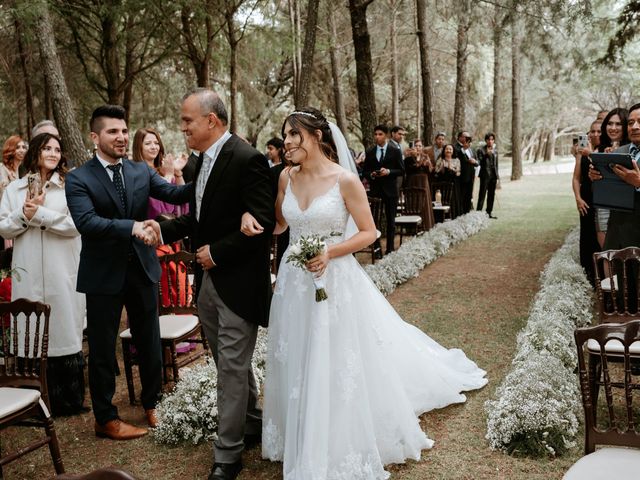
(189, 413)
(537, 407)
(418, 252)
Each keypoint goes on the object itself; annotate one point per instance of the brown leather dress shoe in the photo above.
(152, 419)
(119, 430)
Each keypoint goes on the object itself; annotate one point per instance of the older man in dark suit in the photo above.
(108, 199)
(234, 278)
(382, 166)
(467, 169)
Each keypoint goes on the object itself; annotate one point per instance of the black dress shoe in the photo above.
(252, 440)
(225, 471)
(492, 217)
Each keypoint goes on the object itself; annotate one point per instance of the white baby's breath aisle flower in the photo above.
(537, 408)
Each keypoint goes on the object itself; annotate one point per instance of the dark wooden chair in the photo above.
(618, 427)
(617, 285)
(410, 221)
(446, 191)
(375, 204)
(24, 401)
(178, 320)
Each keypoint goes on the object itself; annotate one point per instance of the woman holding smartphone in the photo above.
(46, 252)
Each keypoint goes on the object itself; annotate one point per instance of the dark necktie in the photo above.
(117, 182)
(381, 155)
(634, 151)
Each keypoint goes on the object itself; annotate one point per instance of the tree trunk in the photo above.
(199, 60)
(62, 108)
(539, 146)
(233, 88)
(308, 51)
(516, 107)
(47, 97)
(30, 120)
(294, 15)
(338, 110)
(395, 88)
(497, 48)
(425, 73)
(461, 70)
(551, 145)
(364, 69)
(110, 63)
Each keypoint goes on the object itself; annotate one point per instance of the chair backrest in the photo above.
(375, 204)
(617, 285)
(446, 190)
(177, 284)
(414, 199)
(619, 426)
(24, 344)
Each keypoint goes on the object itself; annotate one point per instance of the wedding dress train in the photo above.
(347, 377)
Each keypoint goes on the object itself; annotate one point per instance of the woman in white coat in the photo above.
(46, 251)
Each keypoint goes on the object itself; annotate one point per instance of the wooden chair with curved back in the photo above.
(178, 320)
(446, 191)
(618, 423)
(617, 285)
(410, 221)
(24, 400)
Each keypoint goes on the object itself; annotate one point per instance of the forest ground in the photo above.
(476, 297)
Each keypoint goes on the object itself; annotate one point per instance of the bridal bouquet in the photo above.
(304, 250)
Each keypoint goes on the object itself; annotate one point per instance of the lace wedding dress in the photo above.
(347, 377)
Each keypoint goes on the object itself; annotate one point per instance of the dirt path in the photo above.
(476, 297)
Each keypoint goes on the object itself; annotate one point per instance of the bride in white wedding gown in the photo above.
(346, 377)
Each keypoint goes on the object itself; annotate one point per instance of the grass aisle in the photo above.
(476, 297)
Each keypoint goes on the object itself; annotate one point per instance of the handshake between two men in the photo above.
(147, 231)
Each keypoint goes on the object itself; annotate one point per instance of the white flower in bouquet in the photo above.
(306, 248)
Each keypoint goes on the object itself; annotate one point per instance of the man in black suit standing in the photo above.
(233, 277)
(108, 198)
(382, 166)
(488, 158)
(467, 169)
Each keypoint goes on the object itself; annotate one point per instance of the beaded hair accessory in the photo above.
(306, 114)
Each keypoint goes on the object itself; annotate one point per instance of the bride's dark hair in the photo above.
(311, 119)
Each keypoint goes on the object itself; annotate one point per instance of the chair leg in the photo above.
(128, 370)
(174, 361)
(54, 446)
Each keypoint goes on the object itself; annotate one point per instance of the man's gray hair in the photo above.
(209, 101)
(41, 124)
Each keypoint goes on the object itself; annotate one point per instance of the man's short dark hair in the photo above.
(439, 134)
(460, 133)
(634, 107)
(382, 128)
(396, 128)
(489, 135)
(105, 111)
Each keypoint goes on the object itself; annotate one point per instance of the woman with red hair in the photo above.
(13, 152)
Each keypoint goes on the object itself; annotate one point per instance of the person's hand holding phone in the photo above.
(31, 205)
(629, 175)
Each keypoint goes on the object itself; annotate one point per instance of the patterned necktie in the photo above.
(117, 182)
(203, 176)
(634, 151)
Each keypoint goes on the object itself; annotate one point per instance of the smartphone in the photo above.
(411, 144)
(33, 184)
(583, 141)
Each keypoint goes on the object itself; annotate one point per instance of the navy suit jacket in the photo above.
(393, 161)
(106, 229)
(240, 181)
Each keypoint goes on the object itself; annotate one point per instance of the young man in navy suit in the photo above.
(382, 166)
(108, 198)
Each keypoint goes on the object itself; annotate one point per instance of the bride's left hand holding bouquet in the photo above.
(306, 249)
